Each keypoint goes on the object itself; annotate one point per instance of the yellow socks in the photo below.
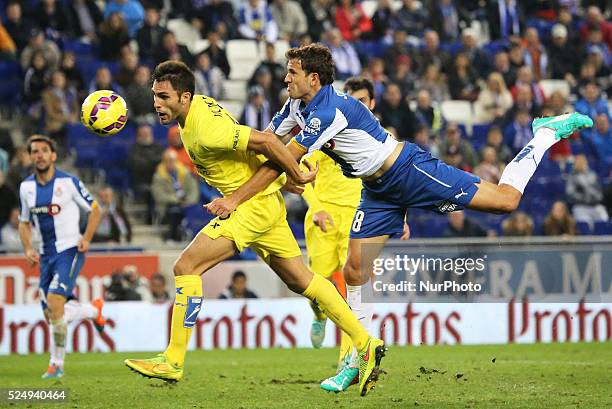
(325, 295)
(319, 315)
(346, 347)
(187, 305)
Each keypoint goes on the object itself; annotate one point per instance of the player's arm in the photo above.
(92, 225)
(266, 174)
(25, 235)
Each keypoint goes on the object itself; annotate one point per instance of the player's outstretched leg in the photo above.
(505, 197)
(76, 311)
(59, 329)
(319, 290)
(201, 254)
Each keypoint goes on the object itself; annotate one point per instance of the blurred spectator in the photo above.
(344, 55)
(175, 143)
(523, 101)
(596, 20)
(208, 78)
(461, 226)
(454, 144)
(427, 114)
(143, 158)
(74, 77)
(9, 199)
(516, 53)
(502, 65)
(463, 79)
(535, 54)
(4, 161)
(478, 58)
(423, 140)
(257, 113)
(405, 78)
(36, 79)
(276, 70)
(113, 36)
(104, 80)
(434, 82)
(60, 106)
(8, 49)
(396, 114)
(171, 50)
(600, 138)
(525, 77)
(518, 133)
(446, 16)
(263, 79)
(131, 11)
(592, 104)
(139, 98)
(217, 55)
(127, 68)
(505, 18)
(398, 49)
(290, 18)
(18, 27)
(218, 15)
(494, 100)
(351, 20)
(411, 18)
(585, 194)
(558, 103)
(9, 232)
(565, 57)
(256, 21)
(382, 21)
(37, 43)
(489, 168)
(173, 187)
(52, 17)
(137, 282)
(559, 222)
(120, 289)
(115, 226)
(157, 288)
(319, 16)
(21, 167)
(495, 140)
(149, 36)
(376, 73)
(86, 16)
(237, 288)
(518, 224)
(432, 54)
(601, 60)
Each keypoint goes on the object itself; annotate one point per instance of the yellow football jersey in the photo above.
(217, 145)
(331, 186)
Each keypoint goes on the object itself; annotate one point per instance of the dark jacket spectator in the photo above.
(565, 57)
(172, 50)
(9, 200)
(217, 54)
(395, 113)
(411, 18)
(238, 288)
(52, 17)
(86, 17)
(505, 18)
(113, 36)
(218, 15)
(115, 226)
(446, 17)
(138, 97)
(584, 193)
(17, 26)
(143, 158)
(149, 36)
(461, 226)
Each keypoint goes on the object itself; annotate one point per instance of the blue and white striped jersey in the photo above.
(340, 126)
(54, 208)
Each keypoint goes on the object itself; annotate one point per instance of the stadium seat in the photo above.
(583, 228)
(235, 90)
(550, 86)
(433, 226)
(243, 56)
(369, 7)
(198, 46)
(457, 111)
(603, 228)
(184, 32)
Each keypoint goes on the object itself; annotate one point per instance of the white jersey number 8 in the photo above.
(359, 215)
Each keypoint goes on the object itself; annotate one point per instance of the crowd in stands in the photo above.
(496, 55)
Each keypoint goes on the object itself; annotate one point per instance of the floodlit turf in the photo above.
(516, 376)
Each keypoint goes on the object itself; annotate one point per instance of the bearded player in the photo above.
(226, 155)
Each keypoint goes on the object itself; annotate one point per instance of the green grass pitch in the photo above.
(514, 376)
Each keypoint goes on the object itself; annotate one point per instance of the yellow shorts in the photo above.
(327, 251)
(261, 224)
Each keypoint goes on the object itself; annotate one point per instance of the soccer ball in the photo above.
(104, 112)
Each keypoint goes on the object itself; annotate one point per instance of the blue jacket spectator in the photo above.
(131, 10)
(592, 104)
(256, 22)
(411, 18)
(344, 55)
(601, 138)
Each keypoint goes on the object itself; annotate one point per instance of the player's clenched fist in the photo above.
(221, 206)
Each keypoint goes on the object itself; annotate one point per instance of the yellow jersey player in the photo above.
(332, 200)
(226, 155)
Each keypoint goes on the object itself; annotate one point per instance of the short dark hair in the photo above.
(159, 276)
(178, 74)
(315, 59)
(238, 274)
(357, 83)
(41, 138)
